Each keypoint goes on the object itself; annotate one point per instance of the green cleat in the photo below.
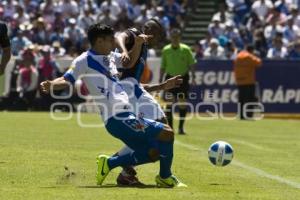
(102, 168)
(170, 182)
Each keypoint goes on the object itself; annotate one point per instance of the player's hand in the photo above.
(125, 57)
(45, 86)
(142, 38)
(173, 82)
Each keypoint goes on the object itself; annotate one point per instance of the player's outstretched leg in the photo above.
(102, 168)
(165, 145)
(128, 175)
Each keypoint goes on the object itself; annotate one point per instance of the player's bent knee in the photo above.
(153, 155)
(166, 135)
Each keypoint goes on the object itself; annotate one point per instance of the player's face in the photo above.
(106, 44)
(154, 30)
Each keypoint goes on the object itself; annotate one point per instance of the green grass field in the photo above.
(45, 159)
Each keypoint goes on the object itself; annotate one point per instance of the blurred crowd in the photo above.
(41, 31)
(272, 26)
(62, 23)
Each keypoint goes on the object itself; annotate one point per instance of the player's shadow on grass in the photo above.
(118, 186)
(216, 184)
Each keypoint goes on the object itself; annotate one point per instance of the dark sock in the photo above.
(166, 158)
(182, 115)
(130, 159)
(169, 115)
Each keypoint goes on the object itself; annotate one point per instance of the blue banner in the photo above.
(278, 86)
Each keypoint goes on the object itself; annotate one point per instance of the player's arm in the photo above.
(134, 54)
(121, 40)
(173, 82)
(56, 84)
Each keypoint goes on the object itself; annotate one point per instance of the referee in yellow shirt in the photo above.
(177, 59)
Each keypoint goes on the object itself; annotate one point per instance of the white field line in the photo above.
(254, 146)
(254, 170)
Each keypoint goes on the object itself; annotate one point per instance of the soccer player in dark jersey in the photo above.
(152, 33)
(5, 45)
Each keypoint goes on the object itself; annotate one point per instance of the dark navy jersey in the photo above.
(4, 40)
(136, 71)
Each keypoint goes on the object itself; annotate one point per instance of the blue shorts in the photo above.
(137, 133)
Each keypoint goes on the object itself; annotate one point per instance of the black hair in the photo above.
(98, 30)
(155, 20)
(161, 28)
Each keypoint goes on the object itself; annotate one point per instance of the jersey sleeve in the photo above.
(118, 60)
(4, 39)
(191, 59)
(74, 72)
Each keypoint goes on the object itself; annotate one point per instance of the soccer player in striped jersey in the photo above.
(146, 105)
(150, 140)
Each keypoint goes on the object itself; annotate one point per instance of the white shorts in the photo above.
(144, 104)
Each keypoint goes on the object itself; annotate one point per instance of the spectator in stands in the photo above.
(19, 42)
(151, 9)
(59, 21)
(57, 50)
(57, 35)
(173, 12)
(164, 20)
(47, 66)
(197, 49)
(140, 21)
(262, 8)
(230, 50)
(20, 17)
(223, 13)
(133, 9)
(271, 31)
(107, 18)
(295, 51)
(86, 18)
(290, 30)
(253, 22)
(47, 9)
(277, 51)
(276, 15)
(69, 8)
(214, 51)
(245, 35)
(123, 21)
(27, 80)
(282, 6)
(73, 34)
(113, 6)
(26, 28)
(260, 43)
(9, 9)
(216, 28)
(295, 14)
(40, 33)
(232, 33)
(245, 66)
(239, 8)
(206, 41)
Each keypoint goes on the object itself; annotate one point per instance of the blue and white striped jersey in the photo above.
(100, 75)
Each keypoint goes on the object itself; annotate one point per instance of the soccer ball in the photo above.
(220, 153)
